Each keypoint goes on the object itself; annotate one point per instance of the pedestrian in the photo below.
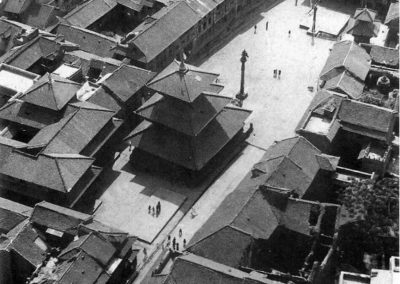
(149, 209)
(255, 29)
(266, 26)
(184, 243)
(296, 3)
(275, 71)
(180, 232)
(289, 33)
(173, 242)
(130, 146)
(153, 211)
(145, 252)
(177, 246)
(279, 74)
(158, 208)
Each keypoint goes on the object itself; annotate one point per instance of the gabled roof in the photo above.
(106, 99)
(16, 6)
(9, 219)
(292, 164)
(190, 152)
(346, 55)
(345, 83)
(51, 91)
(185, 82)
(8, 32)
(89, 12)
(385, 56)
(393, 14)
(92, 244)
(58, 172)
(189, 119)
(163, 28)
(203, 7)
(365, 14)
(191, 268)
(82, 122)
(57, 217)
(127, 80)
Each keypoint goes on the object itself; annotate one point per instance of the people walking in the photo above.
(289, 33)
(266, 26)
(130, 146)
(279, 74)
(149, 209)
(255, 29)
(184, 243)
(173, 242)
(158, 208)
(180, 232)
(153, 211)
(177, 246)
(275, 71)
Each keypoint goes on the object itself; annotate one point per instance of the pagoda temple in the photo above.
(363, 26)
(186, 121)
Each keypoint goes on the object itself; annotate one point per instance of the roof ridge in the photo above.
(161, 78)
(241, 209)
(61, 176)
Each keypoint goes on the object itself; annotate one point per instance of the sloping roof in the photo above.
(58, 172)
(292, 164)
(164, 28)
(16, 6)
(127, 80)
(190, 152)
(40, 15)
(27, 114)
(365, 14)
(189, 119)
(89, 12)
(385, 56)
(8, 32)
(203, 7)
(349, 56)
(83, 121)
(51, 91)
(105, 99)
(135, 5)
(9, 219)
(92, 244)
(24, 245)
(191, 268)
(366, 115)
(347, 84)
(15, 207)
(361, 28)
(393, 14)
(89, 41)
(185, 85)
(57, 217)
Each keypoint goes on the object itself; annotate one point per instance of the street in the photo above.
(277, 104)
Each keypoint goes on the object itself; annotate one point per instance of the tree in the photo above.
(371, 210)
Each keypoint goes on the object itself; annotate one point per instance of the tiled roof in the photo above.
(24, 245)
(360, 28)
(393, 14)
(191, 268)
(89, 12)
(349, 56)
(345, 83)
(83, 121)
(89, 41)
(189, 119)
(15, 207)
(16, 6)
(203, 7)
(9, 219)
(92, 244)
(58, 172)
(8, 32)
(185, 85)
(57, 217)
(51, 91)
(127, 80)
(250, 220)
(366, 115)
(41, 15)
(164, 28)
(365, 14)
(27, 114)
(190, 152)
(105, 99)
(385, 56)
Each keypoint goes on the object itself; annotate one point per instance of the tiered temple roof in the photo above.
(186, 122)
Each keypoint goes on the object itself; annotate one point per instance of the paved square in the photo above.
(125, 202)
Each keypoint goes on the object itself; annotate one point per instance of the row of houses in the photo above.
(53, 244)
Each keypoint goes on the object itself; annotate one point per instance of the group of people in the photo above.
(175, 242)
(155, 211)
(277, 73)
(266, 27)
